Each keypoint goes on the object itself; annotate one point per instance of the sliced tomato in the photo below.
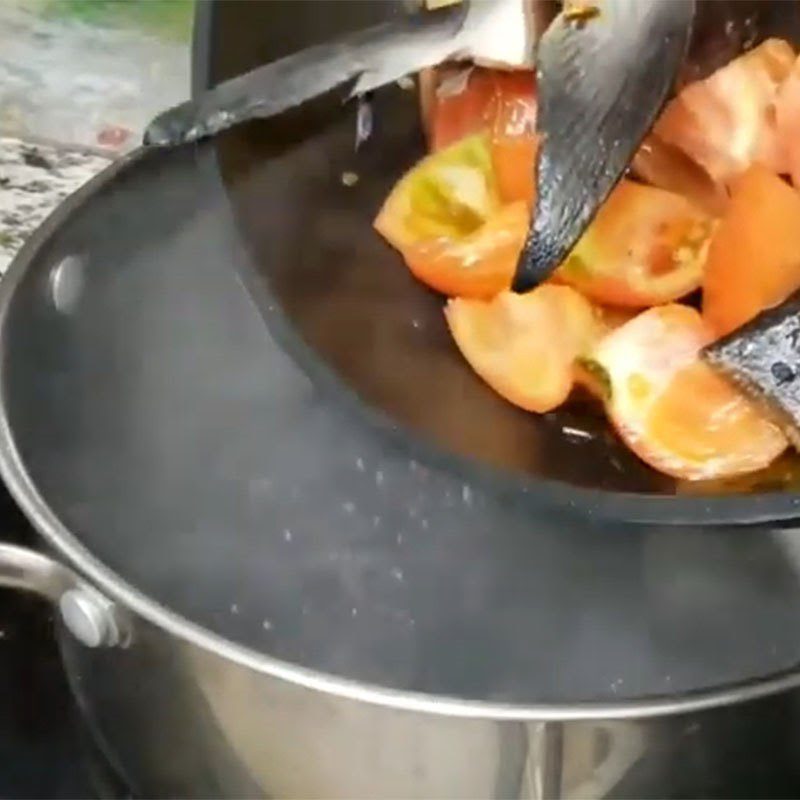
(468, 100)
(480, 264)
(667, 167)
(525, 345)
(646, 246)
(727, 122)
(588, 374)
(787, 120)
(754, 258)
(473, 100)
(462, 104)
(449, 194)
(613, 317)
(446, 219)
(513, 135)
(514, 161)
(673, 410)
(783, 474)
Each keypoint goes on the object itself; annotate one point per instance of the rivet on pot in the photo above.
(89, 617)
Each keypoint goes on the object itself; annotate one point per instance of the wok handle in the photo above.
(89, 616)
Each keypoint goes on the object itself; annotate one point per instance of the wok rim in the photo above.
(643, 508)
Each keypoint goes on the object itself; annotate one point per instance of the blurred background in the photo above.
(79, 80)
(91, 72)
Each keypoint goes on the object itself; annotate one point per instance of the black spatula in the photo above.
(604, 73)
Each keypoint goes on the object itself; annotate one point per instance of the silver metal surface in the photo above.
(89, 617)
(85, 612)
(22, 568)
(192, 723)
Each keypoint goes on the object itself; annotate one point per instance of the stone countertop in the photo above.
(34, 179)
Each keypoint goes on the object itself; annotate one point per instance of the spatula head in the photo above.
(604, 72)
(763, 359)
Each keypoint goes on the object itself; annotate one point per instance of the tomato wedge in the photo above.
(514, 140)
(524, 345)
(480, 264)
(645, 247)
(673, 410)
(727, 122)
(754, 258)
(667, 167)
(446, 219)
(470, 101)
(461, 105)
(514, 161)
(787, 120)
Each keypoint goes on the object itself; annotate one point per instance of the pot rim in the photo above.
(644, 507)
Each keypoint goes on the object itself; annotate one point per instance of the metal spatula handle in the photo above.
(499, 32)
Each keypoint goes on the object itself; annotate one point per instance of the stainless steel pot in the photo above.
(269, 588)
(180, 714)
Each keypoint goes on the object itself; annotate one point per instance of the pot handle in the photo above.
(90, 617)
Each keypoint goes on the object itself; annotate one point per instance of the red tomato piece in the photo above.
(514, 162)
(480, 264)
(753, 260)
(525, 345)
(645, 247)
(727, 122)
(787, 120)
(673, 410)
(504, 103)
(513, 136)
(445, 218)
(667, 167)
(462, 104)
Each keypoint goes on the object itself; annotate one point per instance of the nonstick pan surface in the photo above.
(234, 396)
